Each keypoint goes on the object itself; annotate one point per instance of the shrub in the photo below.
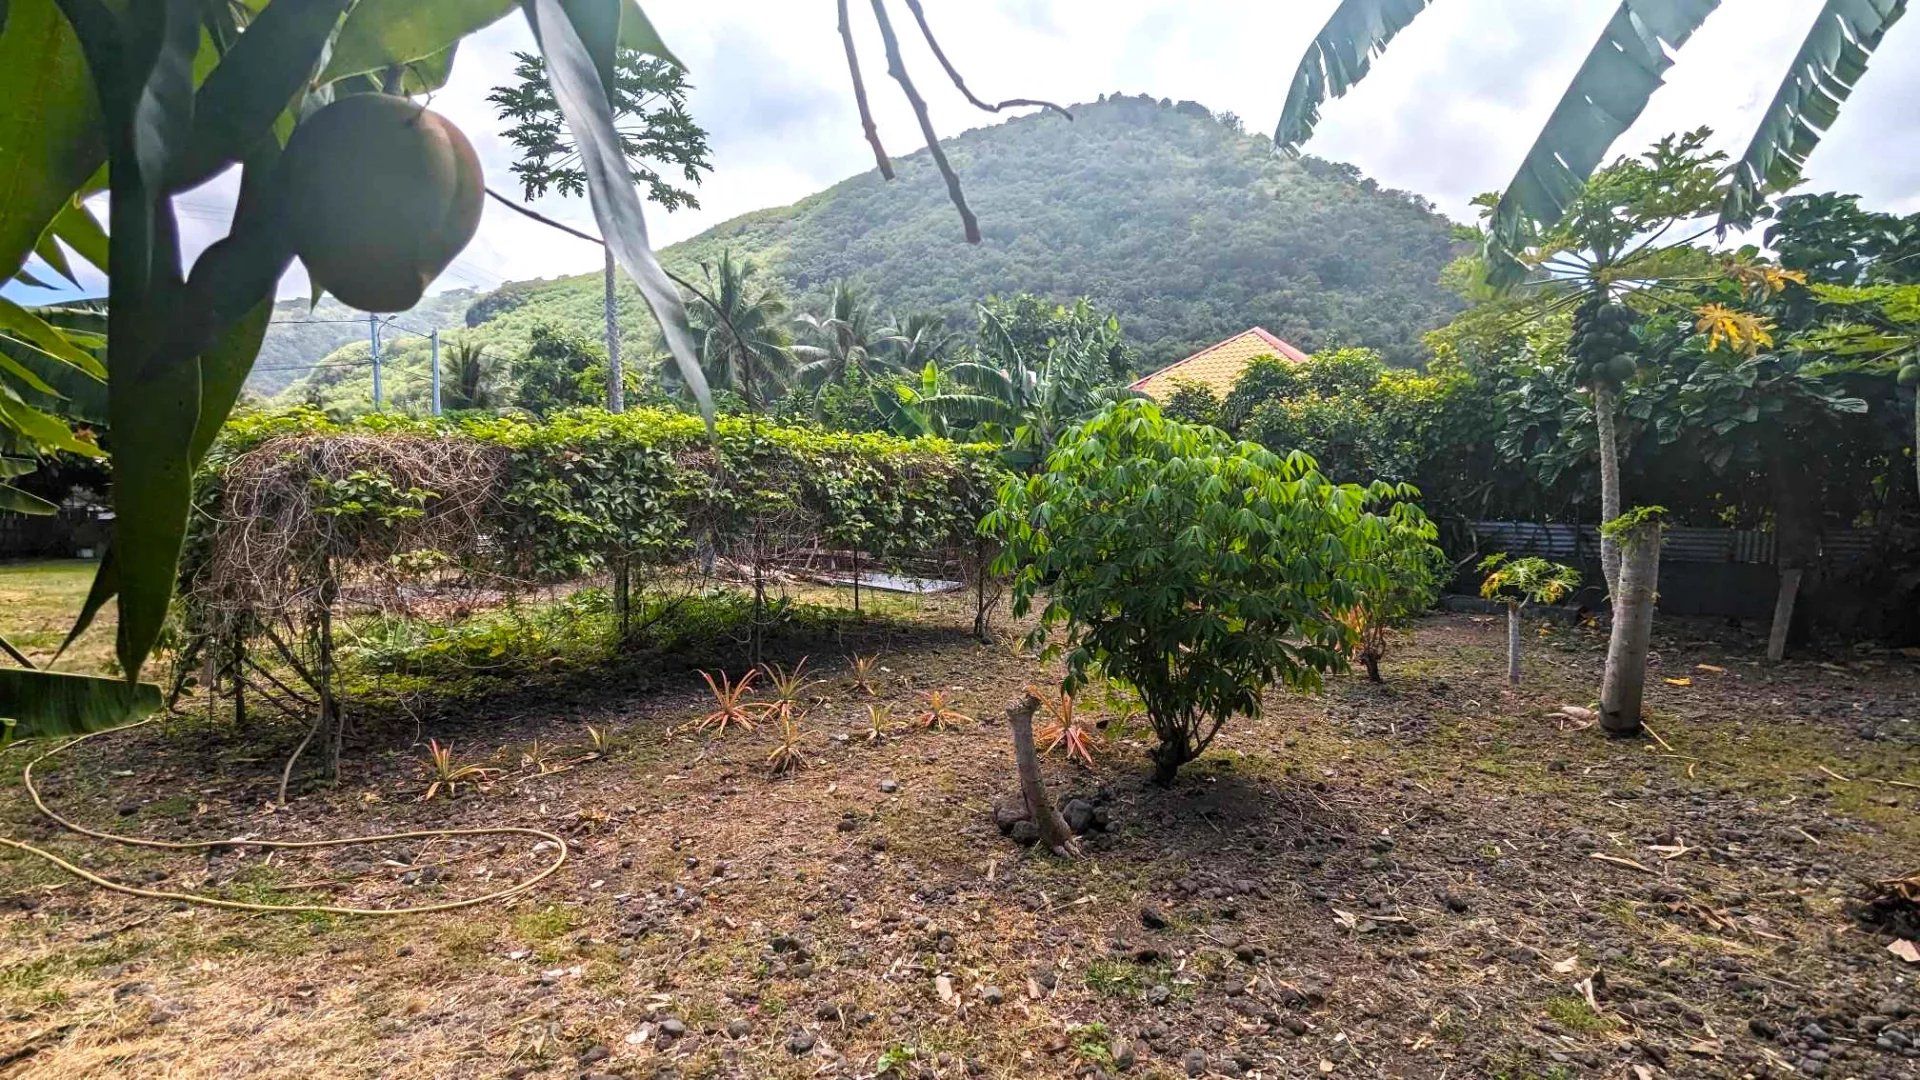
(1196, 569)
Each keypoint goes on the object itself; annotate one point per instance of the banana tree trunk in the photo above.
(1603, 416)
(1623, 687)
(616, 385)
(1054, 834)
(1513, 642)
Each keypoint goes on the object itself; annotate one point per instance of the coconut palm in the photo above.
(473, 378)
(846, 337)
(1621, 72)
(744, 344)
(920, 337)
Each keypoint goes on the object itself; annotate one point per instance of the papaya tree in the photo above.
(1623, 685)
(1195, 569)
(1519, 582)
(658, 137)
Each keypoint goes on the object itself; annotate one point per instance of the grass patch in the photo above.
(41, 597)
(550, 922)
(1575, 1014)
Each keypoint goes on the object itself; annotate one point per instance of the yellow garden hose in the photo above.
(26, 777)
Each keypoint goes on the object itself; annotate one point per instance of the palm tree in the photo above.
(473, 378)
(744, 344)
(920, 337)
(1611, 89)
(846, 337)
(1007, 392)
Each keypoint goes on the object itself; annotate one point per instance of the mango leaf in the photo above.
(1339, 56)
(584, 101)
(1823, 73)
(15, 501)
(50, 136)
(381, 33)
(1621, 72)
(51, 704)
(241, 98)
(637, 33)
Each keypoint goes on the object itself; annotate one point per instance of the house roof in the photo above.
(1218, 365)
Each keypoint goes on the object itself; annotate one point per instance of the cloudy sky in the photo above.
(1448, 113)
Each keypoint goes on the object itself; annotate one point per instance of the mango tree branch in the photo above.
(920, 16)
(860, 97)
(897, 67)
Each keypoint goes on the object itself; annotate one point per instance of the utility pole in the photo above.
(373, 338)
(434, 339)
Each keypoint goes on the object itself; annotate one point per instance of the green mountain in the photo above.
(298, 337)
(1186, 226)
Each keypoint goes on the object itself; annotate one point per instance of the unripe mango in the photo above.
(380, 195)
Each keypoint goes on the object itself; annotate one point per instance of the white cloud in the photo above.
(1448, 112)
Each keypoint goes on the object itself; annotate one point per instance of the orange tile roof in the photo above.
(1217, 366)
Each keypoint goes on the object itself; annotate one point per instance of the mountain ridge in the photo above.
(1187, 227)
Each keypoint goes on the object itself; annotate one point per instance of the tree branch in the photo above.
(920, 16)
(897, 67)
(860, 97)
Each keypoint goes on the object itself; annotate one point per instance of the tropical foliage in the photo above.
(1192, 568)
(1625, 66)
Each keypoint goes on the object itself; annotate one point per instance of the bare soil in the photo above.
(1428, 877)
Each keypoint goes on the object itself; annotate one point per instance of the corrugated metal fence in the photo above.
(1681, 543)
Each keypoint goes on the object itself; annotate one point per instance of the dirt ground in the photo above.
(1430, 877)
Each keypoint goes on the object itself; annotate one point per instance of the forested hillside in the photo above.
(1186, 226)
(298, 337)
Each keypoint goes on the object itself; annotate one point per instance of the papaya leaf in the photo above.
(50, 135)
(51, 704)
(585, 103)
(381, 33)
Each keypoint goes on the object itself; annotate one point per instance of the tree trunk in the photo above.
(616, 385)
(1603, 416)
(1513, 643)
(1796, 543)
(1172, 751)
(1783, 613)
(1623, 688)
(1916, 440)
(1371, 661)
(1054, 833)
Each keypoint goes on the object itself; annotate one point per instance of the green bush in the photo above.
(1196, 569)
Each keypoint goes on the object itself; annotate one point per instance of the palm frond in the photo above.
(1339, 57)
(1830, 61)
(1609, 92)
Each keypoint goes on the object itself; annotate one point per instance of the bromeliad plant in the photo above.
(864, 669)
(1519, 582)
(939, 713)
(1196, 569)
(786, 757)
(445, 773)
(788, 687)
(1064, 727)
(730, 703)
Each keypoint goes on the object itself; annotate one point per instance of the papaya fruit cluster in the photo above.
(1603, 342)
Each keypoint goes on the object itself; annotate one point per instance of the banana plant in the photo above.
(1626, 65)
(140, 102)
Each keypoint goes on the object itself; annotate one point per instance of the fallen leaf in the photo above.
(944, 987)
(1641, 1072)
(1565, 967)
(1905, 950)
(1677, 681)
(1715, 668)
